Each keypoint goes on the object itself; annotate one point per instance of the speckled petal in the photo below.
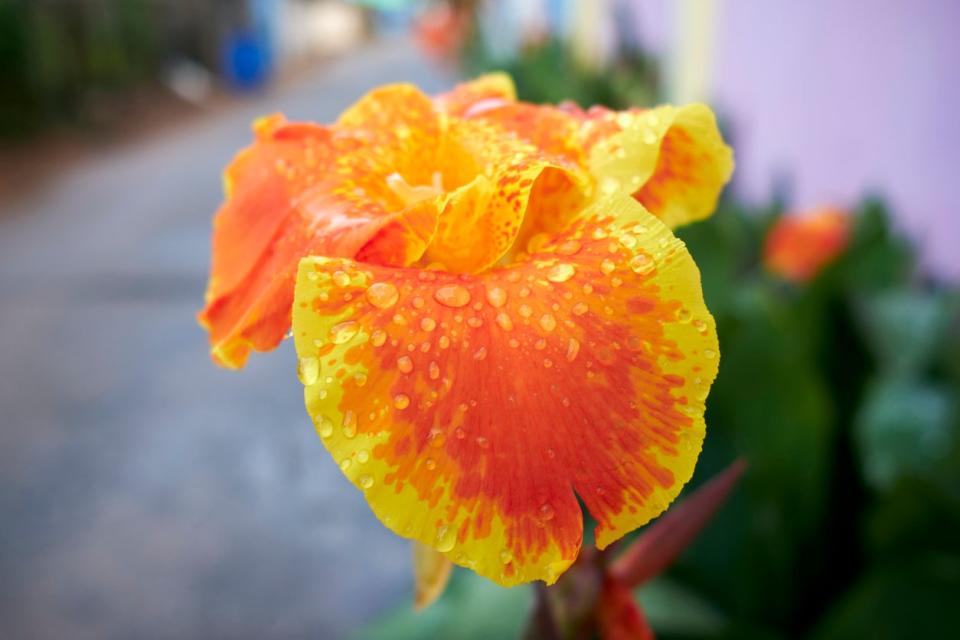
(473, 410)
(672, 159)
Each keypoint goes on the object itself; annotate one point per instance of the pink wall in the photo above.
(845, 98)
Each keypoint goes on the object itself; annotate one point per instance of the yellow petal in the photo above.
(431, 572)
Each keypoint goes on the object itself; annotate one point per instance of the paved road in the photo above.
(144, 492)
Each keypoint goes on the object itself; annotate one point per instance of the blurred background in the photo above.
(146, 493)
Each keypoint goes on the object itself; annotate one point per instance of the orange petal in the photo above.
(482, 92)
(672, 159)
(304, 188)
(431, 573)
(472, 410)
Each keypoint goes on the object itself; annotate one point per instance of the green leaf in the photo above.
(903, 427)
(672, 608)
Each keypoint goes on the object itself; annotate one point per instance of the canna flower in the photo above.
(490, 323)
(798, 247)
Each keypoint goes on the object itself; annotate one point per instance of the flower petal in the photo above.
(472, 410)
(482, 218)
(481, 92)
(304, 188)
(672, 159)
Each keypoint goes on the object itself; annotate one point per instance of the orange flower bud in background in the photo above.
(799, 246)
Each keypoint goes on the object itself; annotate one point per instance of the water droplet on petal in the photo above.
(401, 401)
(308, 370)
(382, 295)
(609, 186)
(573, 348)
(504, 321)
(446, 539)
(324, 426)
(525, 311)
(452, 295)
(561, 272)
(482, 442)
(496, 296)
(378, 337)
(405, 364)
(430, 464)
(546, 512)
(607, 267)
(641, 264)
(443, 342)
(363, 456)
(548, 322)
(349, 424)
(480, 354)
(568, 248)
(341, 279)
(428, 324)
(434, 370)
(343, 332)
(474, 322)
(365, 481)
(709, 354)
(360, 379)
(345, 464)
(580, 308)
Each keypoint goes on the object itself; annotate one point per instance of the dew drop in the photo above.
(524, 292)
(540, 344)
(480, 354)
(610, 186)
(504, 322)
(382, 295)
(474, 322)
(360, 379)
(546, 512)
(436, 437)
(434, 370)
(324, 427)
(308, 370)
(641, 264)
(482, 442)
(345, 465)
(561, 272)
(443, 342)
(548, 322)
(405, 364)
(607, 267)
(514, 343)
(428, 324)
(401, 401)
(573, 348)
(628, 241)
(363, 456)
(341, 279)
(452, 295)
(365, 481)
(568, 248)
(709, 354)
(343, 332)
(496, 296)
(430, 464)
(378, 338)
(349, 424)
(615, 281)
(525, 311)
(580, 308)
(547, 363)
(446, 539)
(460, 433)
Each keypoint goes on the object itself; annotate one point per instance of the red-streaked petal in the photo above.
(672, 159)
(472, 410)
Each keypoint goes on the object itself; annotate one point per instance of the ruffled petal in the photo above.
(482, 218)
(473, 410)
(672, 159)
(303, 189)
(480, 93)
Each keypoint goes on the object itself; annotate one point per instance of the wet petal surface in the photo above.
(473, 410)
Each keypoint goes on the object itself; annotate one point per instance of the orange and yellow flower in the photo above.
(798, 247)
(492, 317)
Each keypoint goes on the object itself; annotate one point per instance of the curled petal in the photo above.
(483, 92)
(482, 218)
(302, 189)
(473, 410)
(671, 159)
